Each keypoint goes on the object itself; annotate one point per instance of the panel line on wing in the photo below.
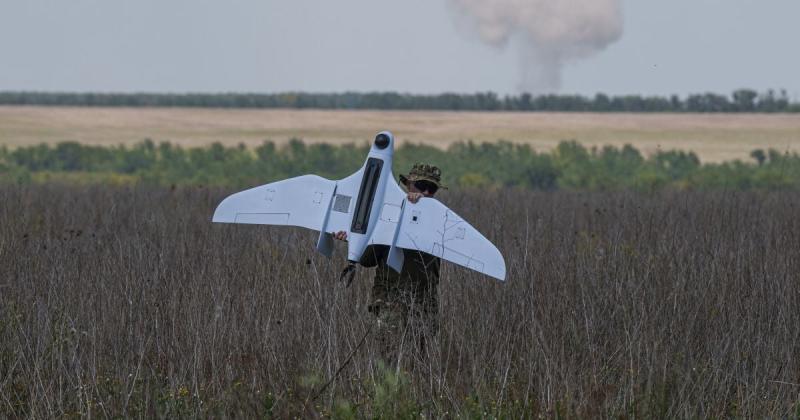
(467, 261)
(263, 218)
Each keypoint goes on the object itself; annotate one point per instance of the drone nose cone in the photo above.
(383, 140)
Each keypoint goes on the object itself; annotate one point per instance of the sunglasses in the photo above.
(426, 186)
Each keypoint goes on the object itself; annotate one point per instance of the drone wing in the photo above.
(429, 226)
(302, 201)
(323, 205)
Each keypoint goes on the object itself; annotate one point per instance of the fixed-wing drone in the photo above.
(373, 209)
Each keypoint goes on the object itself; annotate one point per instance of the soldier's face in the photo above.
(413, 188)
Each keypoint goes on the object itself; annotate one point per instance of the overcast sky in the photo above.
(676, 46)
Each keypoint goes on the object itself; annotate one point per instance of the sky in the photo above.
(414, 46)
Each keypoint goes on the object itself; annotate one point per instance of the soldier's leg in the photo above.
(428, 316)
(387, 330)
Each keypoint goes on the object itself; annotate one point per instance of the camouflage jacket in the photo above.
(415, 284)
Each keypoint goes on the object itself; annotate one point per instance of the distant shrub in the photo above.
(570, 166)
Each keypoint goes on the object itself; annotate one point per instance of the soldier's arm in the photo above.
(372, 255)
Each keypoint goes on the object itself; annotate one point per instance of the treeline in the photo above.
(742, 100)
(569, 166)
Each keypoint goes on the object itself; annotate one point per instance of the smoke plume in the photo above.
(548, 33)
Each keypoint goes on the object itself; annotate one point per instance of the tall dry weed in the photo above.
(128, 301)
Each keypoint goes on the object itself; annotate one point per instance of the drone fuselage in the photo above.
(376, 172)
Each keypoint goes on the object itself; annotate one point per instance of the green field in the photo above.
(641, 282)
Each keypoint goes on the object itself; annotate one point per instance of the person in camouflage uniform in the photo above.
(405, 304)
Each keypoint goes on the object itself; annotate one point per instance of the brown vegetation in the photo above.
(129, 301)
(714, 137)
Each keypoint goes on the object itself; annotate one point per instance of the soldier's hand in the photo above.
(340, 235)
(413, 197)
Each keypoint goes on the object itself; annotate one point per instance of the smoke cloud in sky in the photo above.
(547, 33)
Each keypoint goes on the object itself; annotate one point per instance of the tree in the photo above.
(745, 100)
(759, 156)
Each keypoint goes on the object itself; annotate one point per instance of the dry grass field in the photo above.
(714, 137)
(118, 302)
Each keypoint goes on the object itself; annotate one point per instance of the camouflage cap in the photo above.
(423, 172)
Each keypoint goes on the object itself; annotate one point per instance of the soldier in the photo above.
(405, 304)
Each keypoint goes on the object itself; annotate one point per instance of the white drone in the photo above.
(372, 207)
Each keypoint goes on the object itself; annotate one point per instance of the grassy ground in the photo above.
(714, 138)
(129, 302)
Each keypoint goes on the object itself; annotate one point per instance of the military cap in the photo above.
(423, 172)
